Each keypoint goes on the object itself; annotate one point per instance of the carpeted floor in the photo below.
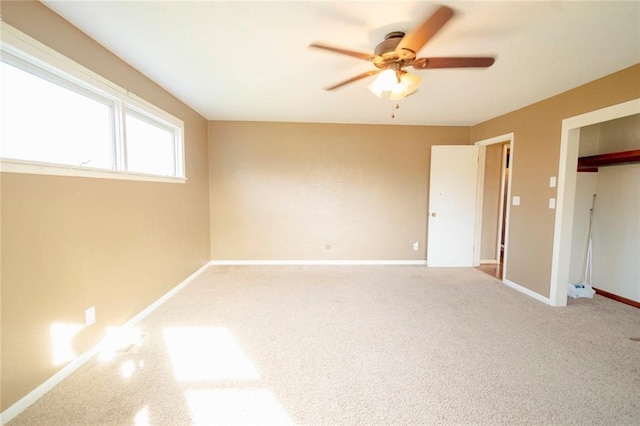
(348, 345)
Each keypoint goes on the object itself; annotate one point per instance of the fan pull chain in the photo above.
(393, 114)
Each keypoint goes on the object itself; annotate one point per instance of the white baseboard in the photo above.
(316, 262)
(528, 292)
(489, 262)
(168, 295)
(24, 402)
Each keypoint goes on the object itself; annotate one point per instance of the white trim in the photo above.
(489, 262)
(477, 237)
(510, 139)
(24, 402)
(36, 168)
(503, 186)
(317, 262)
(168, 295)
(569, 144)
(526, 291)
(496, 139)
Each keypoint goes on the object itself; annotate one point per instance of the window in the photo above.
(143, 136)
(57, 117)
(46, 122)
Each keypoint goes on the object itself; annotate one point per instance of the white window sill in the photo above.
(28, 167)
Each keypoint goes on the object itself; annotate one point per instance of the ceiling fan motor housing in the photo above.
(385, 52)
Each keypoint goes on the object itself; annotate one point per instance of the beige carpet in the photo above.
(370, 345)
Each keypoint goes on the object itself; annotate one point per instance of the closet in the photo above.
(609, 168)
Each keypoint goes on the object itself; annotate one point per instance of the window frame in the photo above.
(24, 52)
(154, 121)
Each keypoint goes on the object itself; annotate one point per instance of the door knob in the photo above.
(433, 214)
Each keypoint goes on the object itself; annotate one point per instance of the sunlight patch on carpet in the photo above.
(119, 340)
(142, 417)
(207, 353)
(235, 407)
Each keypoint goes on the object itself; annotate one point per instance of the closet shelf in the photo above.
(592, 162)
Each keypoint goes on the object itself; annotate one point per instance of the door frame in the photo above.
(509, 140)
(567, 175)
(504, 186)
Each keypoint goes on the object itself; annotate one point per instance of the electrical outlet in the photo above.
(416, 246)
(90, 316)
(327, 247)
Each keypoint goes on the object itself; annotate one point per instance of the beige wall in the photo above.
(535, 158)
(284, 191)
(71, 243)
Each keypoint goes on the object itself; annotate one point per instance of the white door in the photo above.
(452, 205)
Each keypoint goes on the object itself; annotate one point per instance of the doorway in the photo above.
(569, 145)
(492, 204)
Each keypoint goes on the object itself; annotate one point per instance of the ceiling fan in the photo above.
(398, 51)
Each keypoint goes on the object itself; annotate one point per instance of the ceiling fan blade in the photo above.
(365, 56)
(412, 42)
(424, 63)
(352, 79)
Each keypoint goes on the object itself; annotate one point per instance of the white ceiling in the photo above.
(240, 60)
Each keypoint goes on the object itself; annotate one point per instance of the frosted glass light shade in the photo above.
(409, 83)
(398, 83)
(385, 82)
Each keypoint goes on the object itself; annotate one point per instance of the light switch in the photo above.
(516, 200)
(552, 182)
(552, 203)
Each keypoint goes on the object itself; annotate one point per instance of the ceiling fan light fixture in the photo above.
(398, 50)
(397, 82)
